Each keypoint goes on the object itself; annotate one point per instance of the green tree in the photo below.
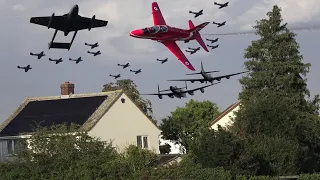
(281, 127)
(130, 88)
(185, 123)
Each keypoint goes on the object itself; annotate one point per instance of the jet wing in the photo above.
(84, 23)
(192, 90)
(174, 48)
(157, 15)
(57, 22)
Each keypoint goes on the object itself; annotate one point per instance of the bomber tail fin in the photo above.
(197, 36)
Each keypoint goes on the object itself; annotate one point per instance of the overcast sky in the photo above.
(19, 38)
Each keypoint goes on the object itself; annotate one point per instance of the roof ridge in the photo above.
(225, 112)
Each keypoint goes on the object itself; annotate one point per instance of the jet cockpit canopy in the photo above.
(155, 29)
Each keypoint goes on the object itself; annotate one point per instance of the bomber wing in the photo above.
(174, 48)
(57, 22)
(157, 94)
(196, 89)
(213, 78)
(157, 15)
(84, 23)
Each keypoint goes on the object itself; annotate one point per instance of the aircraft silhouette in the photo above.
(40, 55)
(213, 40)
(221, 5)
(163, 61)
(92, 45)
(213, 47)
(219, 24)
(206, 77)
(178, 92)
(76, 60)
(136, 72)
(124, 65)
(115, 76)
(196, 13)
(94, 53)
(70, 22)
(193, 50)
(26, 68)
(56, 60)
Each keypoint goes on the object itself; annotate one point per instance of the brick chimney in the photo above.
(67, 88)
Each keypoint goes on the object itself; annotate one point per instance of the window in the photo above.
(142, 142)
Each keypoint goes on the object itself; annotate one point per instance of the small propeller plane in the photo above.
(92, 45)
(115, 76)
(163, 61)
(56, 60)
(168, 35)
(213, 40)
(219, 24)
(76, 60)
(40, 55)
(221, 5)
(179, 92)
(26, 68)
(193, 50)
(94, 53)
(136, 72)
(196, 14)
(124, 65)
(67, 23)
(213, 47)
(206, 77)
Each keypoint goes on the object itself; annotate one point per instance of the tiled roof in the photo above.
(165, 158)
(225, 112)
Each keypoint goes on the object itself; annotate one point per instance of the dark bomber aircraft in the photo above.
(221, 5)
(178, 92)
(56, 60)
(92, 45)
(219, 24)
(196, 13)
(68, 23)
(136, 72)
(94, 53)
(115, 76)
(124, 65)
(213, 47)
(207, 77)
(76, 60)
(26, 69)
(163, 61)
(213, 40)
(193, 50)
(40, 55)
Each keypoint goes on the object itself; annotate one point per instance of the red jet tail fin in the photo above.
(196, 35)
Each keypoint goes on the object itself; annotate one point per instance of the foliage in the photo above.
(130, 88)
(185, 123)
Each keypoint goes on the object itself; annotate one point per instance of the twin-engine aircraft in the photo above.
(178, 92)
(167, 35)
(68, 23)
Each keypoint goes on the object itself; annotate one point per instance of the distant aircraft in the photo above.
(179, 92)
(221, 5)
(213, 47)
(213, 40)
(207, 77)
(92, 45)
(94, 53)
(219, 24)
(167, 35)
(136, 72)
(40, 55)
(26, 68)
(115, 76)
(196, 13)
(163, 61)
(193, 50)
(56, 60)
(76, 60)
(124, 65)
(67, 23)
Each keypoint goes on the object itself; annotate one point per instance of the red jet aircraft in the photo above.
(167, 35)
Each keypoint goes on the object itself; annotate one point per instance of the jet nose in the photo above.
(137, 32)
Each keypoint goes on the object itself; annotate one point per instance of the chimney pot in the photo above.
(67, 88)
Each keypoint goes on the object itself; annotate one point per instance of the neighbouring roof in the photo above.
(82, 109)
(165, 158)
(225, 112)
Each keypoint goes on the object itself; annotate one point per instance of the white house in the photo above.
(107, 115)
(224, 119)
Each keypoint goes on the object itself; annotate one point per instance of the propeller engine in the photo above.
(202, 90)
(201, 81)
(228, 77)
(160, 96)
(171, 96)
(219, 79)
(191, 93)
(192, 81)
